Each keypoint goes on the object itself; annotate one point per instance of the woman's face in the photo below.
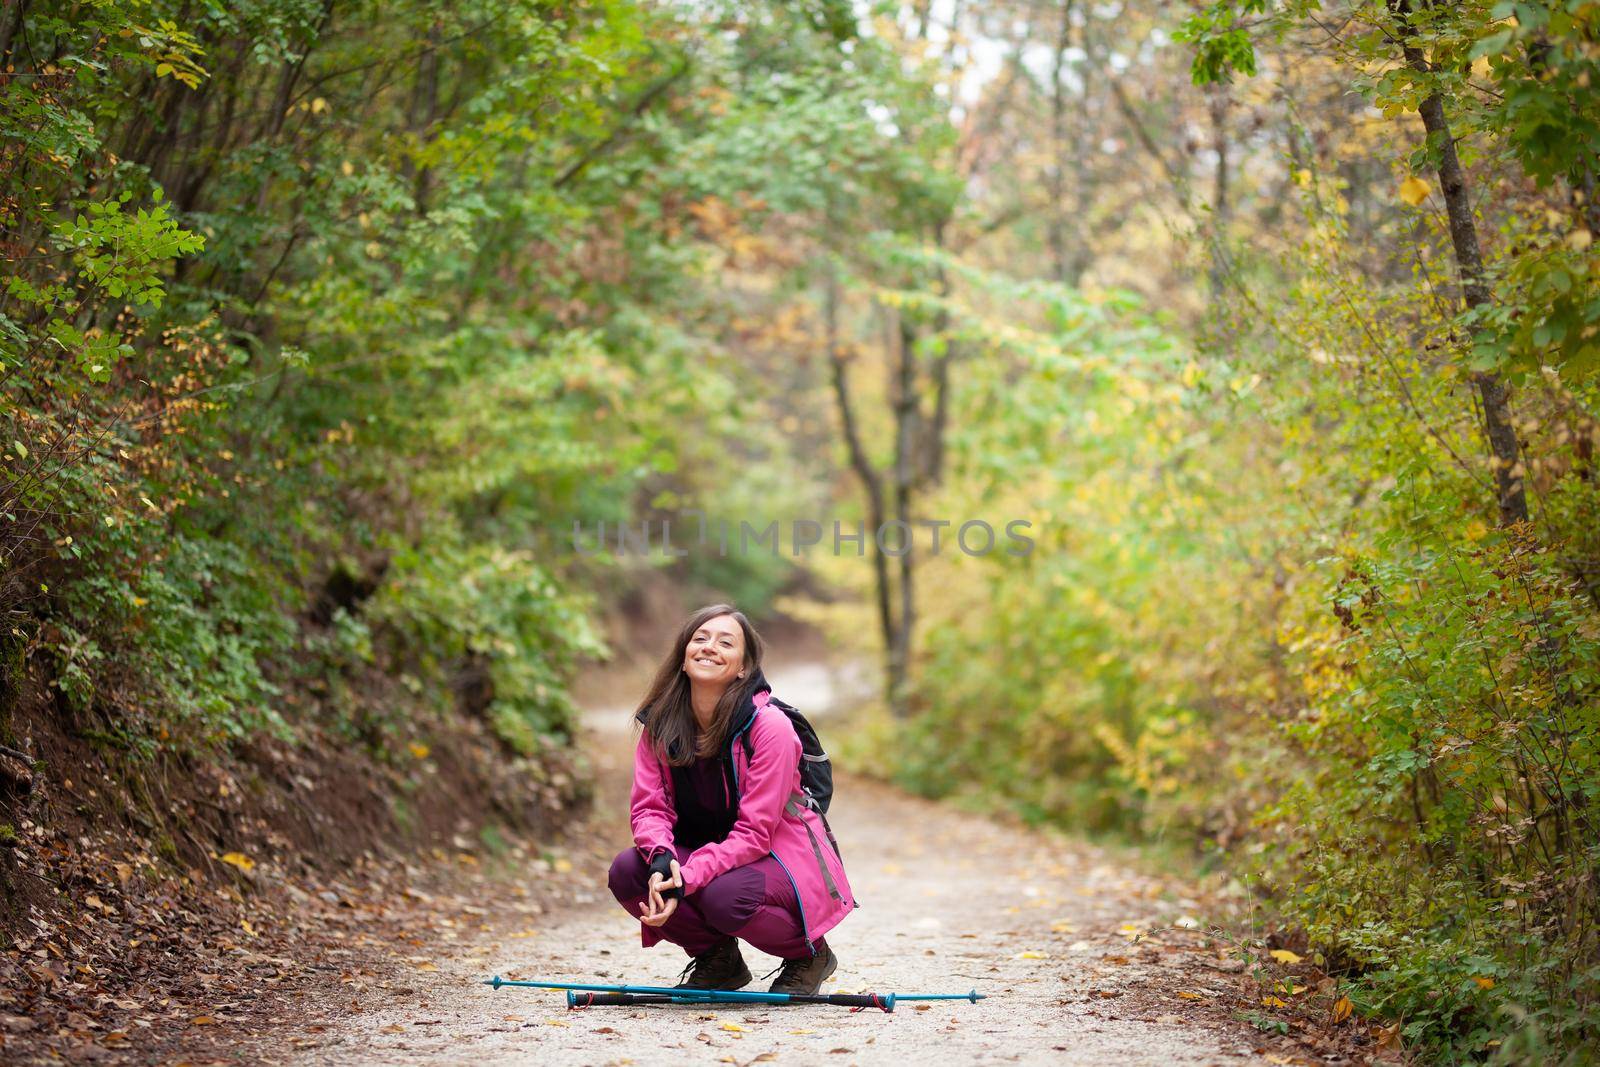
(715, 655)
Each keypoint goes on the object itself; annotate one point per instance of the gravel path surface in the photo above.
(1083, 960)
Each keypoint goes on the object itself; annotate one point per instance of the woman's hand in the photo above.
(656, 918)
(657, 909)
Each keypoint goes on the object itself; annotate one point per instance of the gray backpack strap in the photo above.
(816, 846)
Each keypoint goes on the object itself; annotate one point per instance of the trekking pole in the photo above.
(731, 996)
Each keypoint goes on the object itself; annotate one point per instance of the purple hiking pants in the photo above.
(755, 902)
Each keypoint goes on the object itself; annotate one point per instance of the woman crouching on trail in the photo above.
(725, 845)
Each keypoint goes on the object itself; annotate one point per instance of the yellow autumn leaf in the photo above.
(734, 1027)
(1031, 956)
(1414, 191)
(1579, 240)
(244, 924)
(1283, 955)
(420, 751)
(1186, 995)
(1273, 1002)
(1484, 983)
(1342, 1009)
(239, 860)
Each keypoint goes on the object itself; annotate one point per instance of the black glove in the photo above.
(661, 863)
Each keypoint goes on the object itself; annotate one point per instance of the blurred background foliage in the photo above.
(326, 324)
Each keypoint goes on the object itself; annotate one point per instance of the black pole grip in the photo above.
(851, 1000)
(579, 999)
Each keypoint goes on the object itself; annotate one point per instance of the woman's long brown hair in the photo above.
(668, 713)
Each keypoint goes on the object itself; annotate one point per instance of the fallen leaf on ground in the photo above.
(1283, 955)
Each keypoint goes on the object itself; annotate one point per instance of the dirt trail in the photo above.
(1080, 958)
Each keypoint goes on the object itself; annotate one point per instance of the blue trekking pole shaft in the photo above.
(727, 995)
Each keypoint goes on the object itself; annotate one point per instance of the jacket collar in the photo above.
(745, 712)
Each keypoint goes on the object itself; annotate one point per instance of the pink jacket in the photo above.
(773, 819)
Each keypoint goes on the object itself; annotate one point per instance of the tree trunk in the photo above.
(1492, 391)
(1058, 148)
(862, 465)
(1218, 104)
(424, 108)
(907, 427)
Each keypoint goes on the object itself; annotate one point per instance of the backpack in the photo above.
(816, 771)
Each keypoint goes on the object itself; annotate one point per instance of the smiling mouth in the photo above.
(708, 662)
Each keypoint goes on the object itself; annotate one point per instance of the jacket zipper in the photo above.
(805, 928)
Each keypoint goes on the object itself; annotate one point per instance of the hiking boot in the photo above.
(718, 967)
(805, 974)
